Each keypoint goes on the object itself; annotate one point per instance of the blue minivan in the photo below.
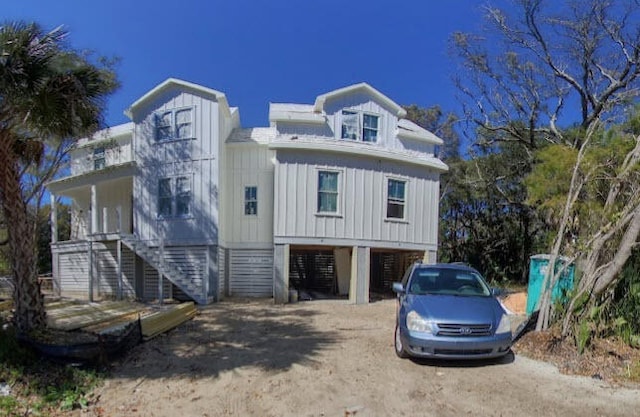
(448, 311)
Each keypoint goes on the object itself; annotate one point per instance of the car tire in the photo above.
(397, 344)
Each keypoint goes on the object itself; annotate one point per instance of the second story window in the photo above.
(327, 192)
(99, 160)
(359, 126)
(251, 201)
(174, 124)
(395, 199)
(174, 197)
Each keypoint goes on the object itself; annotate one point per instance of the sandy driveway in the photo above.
(327, 358)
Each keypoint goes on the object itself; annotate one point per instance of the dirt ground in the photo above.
(328, 358)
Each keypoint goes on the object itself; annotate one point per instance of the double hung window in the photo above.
(328, 191)
(174, 197)
(251, 201)
(396, 199)
(359, 126)
(99, 160)
(174, 124)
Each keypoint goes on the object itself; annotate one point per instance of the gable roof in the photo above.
(321, 99)
(219, 96)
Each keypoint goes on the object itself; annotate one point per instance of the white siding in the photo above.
(249, 165)
(362, 206)
(251, 273)
(221, 272)
(74, 272)
(195, 157)
(117, 151)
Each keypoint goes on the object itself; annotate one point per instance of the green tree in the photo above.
(48, 92)
(559, 73)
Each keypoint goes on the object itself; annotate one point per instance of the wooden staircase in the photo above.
(168, 270)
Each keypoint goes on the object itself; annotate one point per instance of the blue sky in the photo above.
(261, 51)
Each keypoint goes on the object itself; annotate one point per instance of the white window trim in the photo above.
(245, 201)
(340, 199)
(405, 217)
(174, 112)
(360, 136)
(95, 157)
(174, 197)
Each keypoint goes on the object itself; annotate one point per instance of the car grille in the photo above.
(458, 352)
(464, 330)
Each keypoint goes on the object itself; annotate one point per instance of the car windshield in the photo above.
(447, 281)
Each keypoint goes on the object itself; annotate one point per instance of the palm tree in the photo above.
(48, 92)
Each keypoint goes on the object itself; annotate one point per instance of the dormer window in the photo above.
(359, 126)
(174, 124)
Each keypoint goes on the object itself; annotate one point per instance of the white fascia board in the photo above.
(296, 117)
(115, 132)
(111, 172)
(321, 99)
(218, 95)
(359, 150)
(431, 138)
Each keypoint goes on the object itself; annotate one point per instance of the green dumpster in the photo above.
(538, 265)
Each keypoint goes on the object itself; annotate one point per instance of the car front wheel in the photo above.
(397, 342)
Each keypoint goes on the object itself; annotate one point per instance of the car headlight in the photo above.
(505, 325)
(417, 323)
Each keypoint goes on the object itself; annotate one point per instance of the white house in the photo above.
(333, 198)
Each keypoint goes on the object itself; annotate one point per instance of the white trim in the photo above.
(360, 149)
(219, 96)
(374, 244)
(297, 117)
(174, 196)
(340, 198)
(429, 137)
(321, 99)
(405, 217)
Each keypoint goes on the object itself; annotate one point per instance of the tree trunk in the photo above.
(28, 300)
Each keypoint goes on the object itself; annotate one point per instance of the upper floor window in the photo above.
(327, 192)
(99, 160)
(359, 126)
(251, 201)
(396, 199)
(174, 124)
(174, 197)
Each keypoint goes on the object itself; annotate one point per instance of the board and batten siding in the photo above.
(196, 158)
(251, 272)
(362, 200)
(249, 165)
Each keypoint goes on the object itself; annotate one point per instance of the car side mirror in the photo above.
(398, 288)
(496, 292)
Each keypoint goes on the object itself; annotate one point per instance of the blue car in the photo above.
(448, 311)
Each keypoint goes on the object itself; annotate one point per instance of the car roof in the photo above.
(455, 265)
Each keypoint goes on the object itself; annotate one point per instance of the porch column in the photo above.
(119, 219)
(281, 273)
(119, 272)
(360, 271)
(54, 218)
(94, 209)
(105, 220)
(161, 274)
